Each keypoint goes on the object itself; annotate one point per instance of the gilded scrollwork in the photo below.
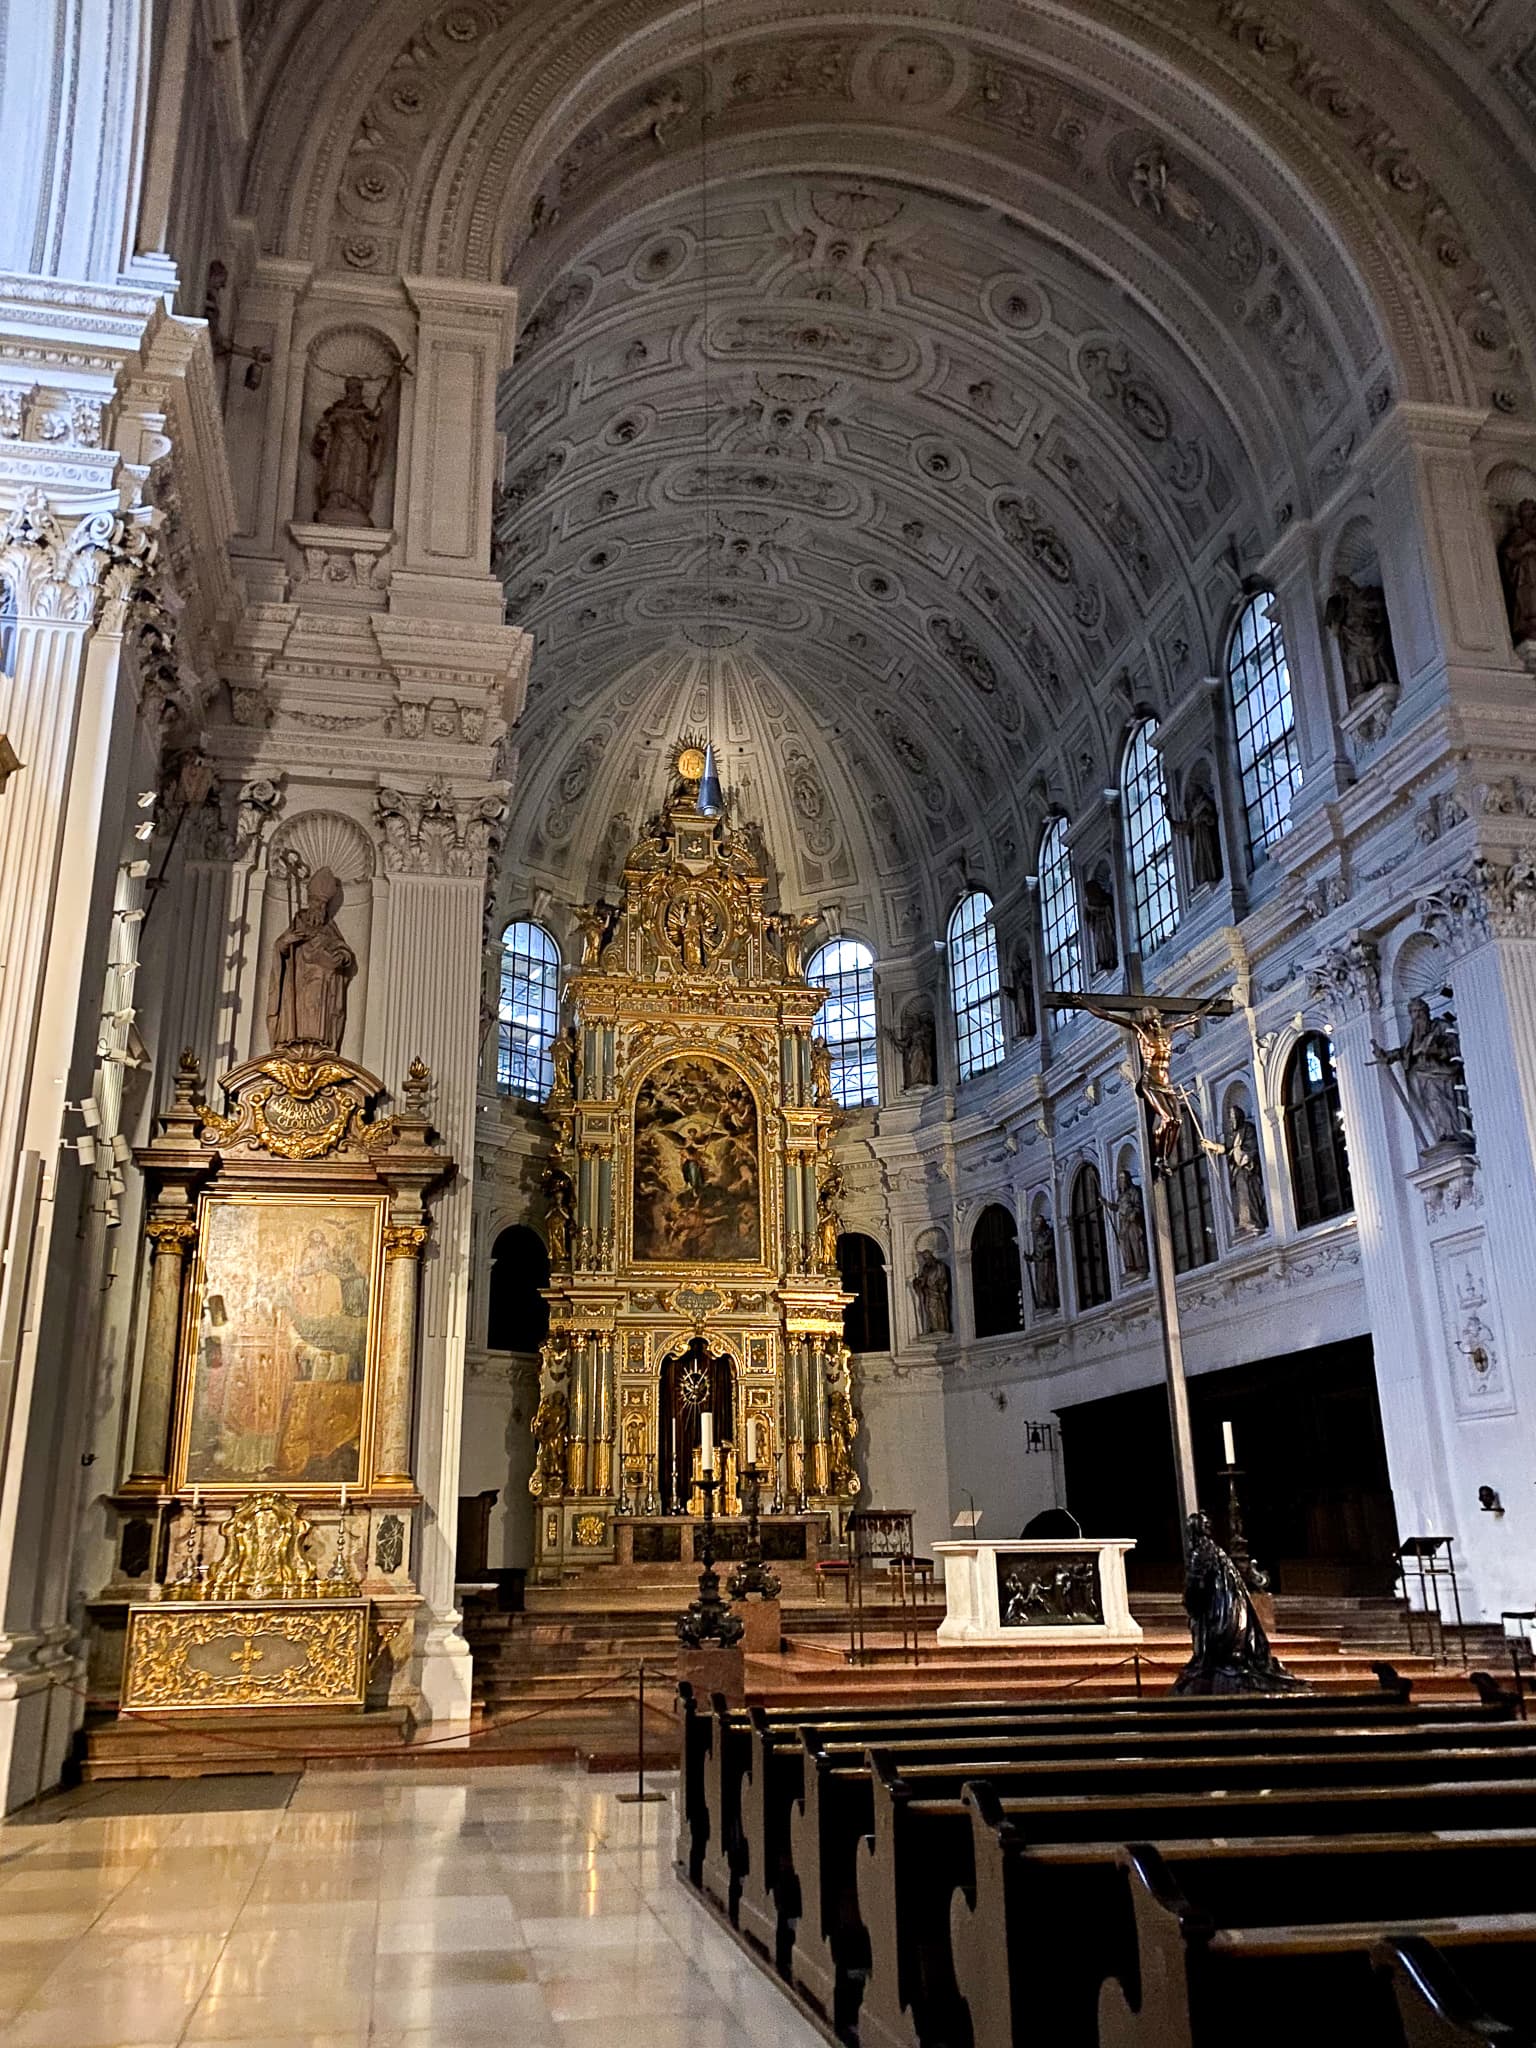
(208, 1657)
(298, 1109)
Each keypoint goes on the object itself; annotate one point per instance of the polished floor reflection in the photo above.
(366, 1910)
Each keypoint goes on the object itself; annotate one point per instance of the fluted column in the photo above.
(397, 1352)
(170, 1238)
(816, 1411)
(603, 1418)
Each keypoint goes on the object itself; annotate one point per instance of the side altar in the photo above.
(267, 1522)
(691, 1203)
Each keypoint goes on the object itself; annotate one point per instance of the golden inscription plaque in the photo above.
(210, 1654)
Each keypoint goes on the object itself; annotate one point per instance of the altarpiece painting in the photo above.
(281, 1342)
(697, 1176)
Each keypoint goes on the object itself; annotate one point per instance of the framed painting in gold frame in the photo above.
(278, 1363)
(697, 1168)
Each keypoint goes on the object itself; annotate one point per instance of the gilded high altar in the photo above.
(691, 1198)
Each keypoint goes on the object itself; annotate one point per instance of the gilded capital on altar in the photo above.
(404, 1240)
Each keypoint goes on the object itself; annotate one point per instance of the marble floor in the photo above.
(366, 1910)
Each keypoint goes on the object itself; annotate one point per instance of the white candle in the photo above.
(1227, 1444)
(197, 1499)
(707, 1443)
(752, 1440)
(343, 1496)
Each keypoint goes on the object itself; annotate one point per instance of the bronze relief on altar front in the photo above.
(1035, 1590)
(697, 1178)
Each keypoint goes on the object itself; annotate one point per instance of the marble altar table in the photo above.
(1056, 1590)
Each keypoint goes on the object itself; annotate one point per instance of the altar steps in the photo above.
(193, 1745)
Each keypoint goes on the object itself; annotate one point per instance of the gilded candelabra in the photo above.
(752, 1575)
(708, 1620)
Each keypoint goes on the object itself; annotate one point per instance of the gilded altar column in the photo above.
(581, 1417)
(793, 1214)
(397, 1350)
(587, 1225)
(605, 1230)
(794, 1418)
(603, 1419)
(816, 1411)
(171, 1238)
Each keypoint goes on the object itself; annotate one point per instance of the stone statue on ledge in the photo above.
(930, 1283)
(1433, 1076)
(1245, 1173)
(1517, 560)
(312, 965)
(916, 1042)
(348, 445)
(1045, 1278)
(1356, 616)
(1130, 1214)
(1231, 1652)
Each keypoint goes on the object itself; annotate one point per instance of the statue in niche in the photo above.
(930, 1283)
(828, 1227)
(1130, 1214)
(1099, 906)
(1204, 826)
(1245, 1173)
(348, 444)
(696, 927)
(597, 922)
(559, 1214)
(916, 1041)
(1356, 616)
(821, 1075)
(1433, 1076)
(312, 964)
(1023, 993)
(1044, 1277)
(563, 1060)
(1517, 561)
(789, 934)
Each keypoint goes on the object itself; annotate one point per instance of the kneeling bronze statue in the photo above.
(1231, 1650)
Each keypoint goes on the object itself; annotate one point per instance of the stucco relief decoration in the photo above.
(1470, 1320)
(1348, 977)
(1426, 216)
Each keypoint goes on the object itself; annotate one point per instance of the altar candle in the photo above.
(707, 1443)
(343, 1496)
(197, 1499)
(752, 1440)
(1227, 1444)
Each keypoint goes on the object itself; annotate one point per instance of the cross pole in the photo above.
(1151, 1021)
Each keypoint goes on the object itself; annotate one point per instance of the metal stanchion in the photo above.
(640, 1797)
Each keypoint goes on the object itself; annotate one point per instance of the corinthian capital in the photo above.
(1348, 977)
(74, 575)
(1486, 898)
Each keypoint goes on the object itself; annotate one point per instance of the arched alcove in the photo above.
(861, 1270)
(517, 1315)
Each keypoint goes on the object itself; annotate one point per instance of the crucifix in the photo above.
(1151, 1022)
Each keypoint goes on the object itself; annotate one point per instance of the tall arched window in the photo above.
(1189, 1201)
(1090, 1252)
(1148, 841)
(528, 1015)
(1264, 722)
(974, 989)
(997, 1282)
(518, 1315)
(846, 970)
(1059, 920)
(1314, 1133)
(861, 1269)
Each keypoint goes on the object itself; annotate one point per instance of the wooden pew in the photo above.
(832, 1951)
(765, 1887)
(1434, 2005)
(1030, 1895)
(1270, 1949)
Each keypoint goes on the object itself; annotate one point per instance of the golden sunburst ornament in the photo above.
(690, 762)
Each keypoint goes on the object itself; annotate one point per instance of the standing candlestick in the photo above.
(753, 1576)
(1227, 1449)
(708, 1619)
(1237, 1540)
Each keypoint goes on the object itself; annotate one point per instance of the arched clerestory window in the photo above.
(997, 1278)
(861, 1269)
(846, 970)
(517, 1318)
(528, 1011)
(975, 991)
(1264, 723)
(1090, 1250)
(1060, 923)
(1189, 1201)
(1148, 841)
(1314, 1133)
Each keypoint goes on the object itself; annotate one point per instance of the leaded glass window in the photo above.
(528, 1013)
(1060, 923)
(1148, 841)
(846, 970)
(1264, 721)
(974, 985)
